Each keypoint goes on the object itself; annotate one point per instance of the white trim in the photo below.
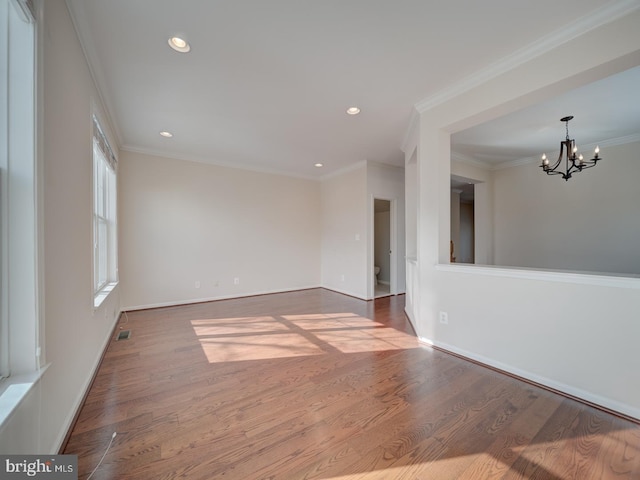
(606, 14)
(77, 13)
(346, 292)
(393, 243)
(102, 294)
(574, 392)
(14, 389)
(347, 169)
(612, 142)
(25, 9)
(515, 163)
(79, 401)
(217, 163)
(466, 159)
(411, 319)
(413, 122)
(560, 276)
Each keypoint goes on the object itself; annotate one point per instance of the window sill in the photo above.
(102, 295)
(14, 389)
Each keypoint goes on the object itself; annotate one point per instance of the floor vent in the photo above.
(124, 335)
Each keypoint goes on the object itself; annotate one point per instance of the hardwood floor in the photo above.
(314, 384)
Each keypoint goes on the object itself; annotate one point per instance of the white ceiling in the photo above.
(267, 83)
(604, 111)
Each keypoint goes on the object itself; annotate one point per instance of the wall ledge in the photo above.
(14, 389)
(562, 276)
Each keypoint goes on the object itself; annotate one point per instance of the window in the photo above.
(19, 326)
(105, 273)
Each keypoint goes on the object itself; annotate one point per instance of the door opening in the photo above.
(383, 260)
(462, 244)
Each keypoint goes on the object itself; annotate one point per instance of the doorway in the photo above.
(462, 245)
(383, 260)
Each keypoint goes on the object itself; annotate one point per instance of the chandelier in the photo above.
(573, 162)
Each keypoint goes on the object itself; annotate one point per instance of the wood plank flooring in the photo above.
(314, 384)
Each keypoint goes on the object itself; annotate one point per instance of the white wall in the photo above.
(411, 204)
(184, 222)
(348, 227)
(39, 424)
(575, 333)
(344, 232)
(589, 223)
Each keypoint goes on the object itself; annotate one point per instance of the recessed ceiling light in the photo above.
(319, 165)
(179, 44)
(353, 111)
(166, 134)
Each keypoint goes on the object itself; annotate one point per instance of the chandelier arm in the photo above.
(553, 169)
(572, 162)
(588, 164)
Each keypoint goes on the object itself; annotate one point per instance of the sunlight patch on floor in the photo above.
(319, 316)
(374, 340)
(239, 325)
(258, 347)
(334, 321)
(266, 337)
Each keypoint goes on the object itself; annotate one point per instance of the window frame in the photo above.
(21, 358)
(104, 215)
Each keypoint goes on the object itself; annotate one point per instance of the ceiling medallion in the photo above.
(573, 162)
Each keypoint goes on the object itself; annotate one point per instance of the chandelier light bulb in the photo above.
(597, 150)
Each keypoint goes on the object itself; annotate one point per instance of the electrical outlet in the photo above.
(236, 281)
(444, 318)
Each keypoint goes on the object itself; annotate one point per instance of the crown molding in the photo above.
(413, 123)
(466, 159)
(215, 163)
(342, 171)
(612, 142)
(78, 14)
(606, 14)
(514, 163)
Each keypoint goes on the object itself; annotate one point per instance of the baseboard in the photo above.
(608, 405)
(347, 293)
(411, 320)
(191, 301)
(72, 418)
